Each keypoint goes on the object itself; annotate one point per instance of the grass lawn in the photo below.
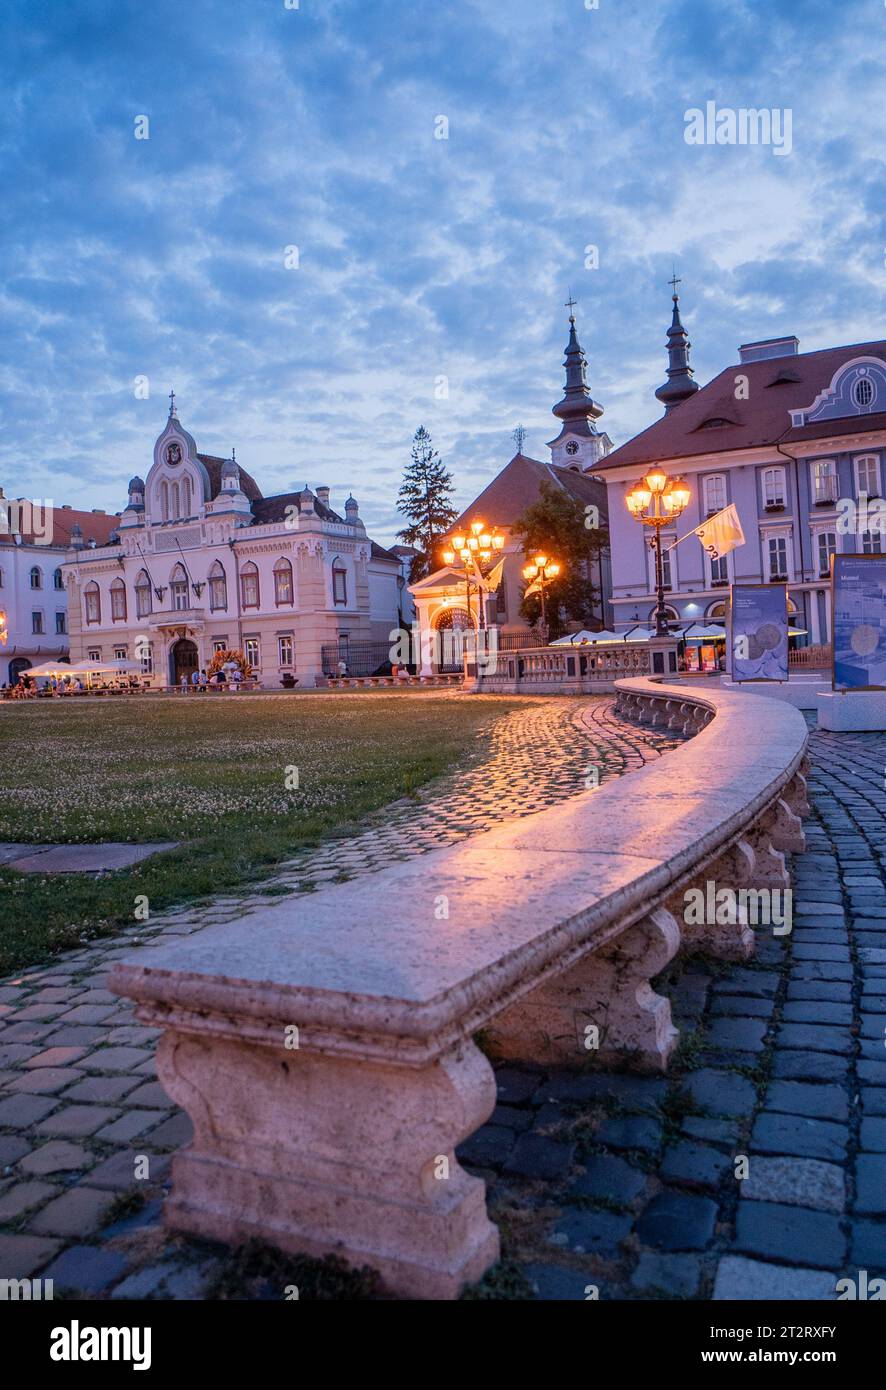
(212, 773)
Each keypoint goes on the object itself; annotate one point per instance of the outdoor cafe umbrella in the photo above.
(48, 668)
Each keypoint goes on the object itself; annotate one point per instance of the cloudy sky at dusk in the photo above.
(418, 258)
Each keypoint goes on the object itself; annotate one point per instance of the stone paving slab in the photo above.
(78, 859)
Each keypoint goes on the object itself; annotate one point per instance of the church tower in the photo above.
(680, 383)
(579, 445)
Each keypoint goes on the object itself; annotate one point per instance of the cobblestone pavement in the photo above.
(623, 1182)
(79, 1099)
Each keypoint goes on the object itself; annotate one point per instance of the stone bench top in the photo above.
(369, 966)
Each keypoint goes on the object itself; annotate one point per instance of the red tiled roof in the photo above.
(517, 486)
(95, 526)
(776, 385)
(213, 467)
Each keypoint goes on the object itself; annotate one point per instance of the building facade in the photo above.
(796, 441)
(34, 539)
(203, 562)
(442, 599)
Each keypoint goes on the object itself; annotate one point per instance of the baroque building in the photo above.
(201, 561)
(796, 441)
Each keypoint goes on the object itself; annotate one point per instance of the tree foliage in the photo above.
(557, 525)
(424, 501)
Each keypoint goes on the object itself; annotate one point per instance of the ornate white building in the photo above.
(202, 561)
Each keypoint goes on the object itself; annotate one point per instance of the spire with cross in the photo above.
(519, 438)
(680, 384)
(674, 282)
(571, 305)
(172, 410)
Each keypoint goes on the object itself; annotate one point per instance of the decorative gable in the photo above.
(178, 485)
(857, 388)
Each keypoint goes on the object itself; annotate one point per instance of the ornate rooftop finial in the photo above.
(571, 305)
(680, 384)
(519, 438)
(173, 413)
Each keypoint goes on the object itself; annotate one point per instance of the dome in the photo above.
(136, 484)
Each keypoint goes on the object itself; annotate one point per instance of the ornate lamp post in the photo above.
(541, 571)
(474, 550)
(668, 497)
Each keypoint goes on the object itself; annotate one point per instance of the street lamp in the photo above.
(541, 571)
(668, 497)
(474, 549)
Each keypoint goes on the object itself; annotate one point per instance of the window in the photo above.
(250, 651)
(824, 482)
(667, 566)
(284, 651)
(36, 577)
(93, 601)
(871, 543)
(119, 653)
(94, 654)
(57, 581)
(827, 546)
(867, 475)
(863, 392)
(36, 622)
(1, 579)
(142, 594)
(249, 590)
(178, 587)
(164, 501)
(339, 582)
(778, 557)
(118, 601)
(719, 569)
(186, 497)
(175, 509)
(145, 652)
(61, 623)
(220, 644)
(773, 487)
(218, 586)
(282, 582)
(715, 493)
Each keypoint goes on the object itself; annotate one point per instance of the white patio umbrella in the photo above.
(48, 668)
(574, 639)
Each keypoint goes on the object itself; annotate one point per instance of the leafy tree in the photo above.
(423, 500)
(557, 525)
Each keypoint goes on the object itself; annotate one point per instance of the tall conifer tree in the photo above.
(423, 500)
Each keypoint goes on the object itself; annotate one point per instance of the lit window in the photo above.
(824, 481)
(146, 653)
(219, 645)
(250, 651)
(284, 648)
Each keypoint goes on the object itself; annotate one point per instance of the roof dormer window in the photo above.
(863, 392)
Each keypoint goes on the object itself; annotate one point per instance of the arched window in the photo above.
(142, 594)
(36, 577)
(282, 582)
(218, 586)
(186, 497)
(93, 601)
(118, 601)
(178, 586)
(673, 615)
(175, 505)
(57, 581)
(164, 501)
(249, 590)
(716, 612)
(339, 581)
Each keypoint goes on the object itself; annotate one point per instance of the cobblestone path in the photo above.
(79, 1100)
(623, 1182)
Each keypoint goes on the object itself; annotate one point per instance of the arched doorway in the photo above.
(182, 660)
(451, 628)
(16, 666)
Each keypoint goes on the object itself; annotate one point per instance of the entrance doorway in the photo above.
(182, 660)
(16, 666)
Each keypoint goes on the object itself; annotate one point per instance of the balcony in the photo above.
(177, 617)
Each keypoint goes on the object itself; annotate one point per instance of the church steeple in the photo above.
(680, 383)
(579, 443)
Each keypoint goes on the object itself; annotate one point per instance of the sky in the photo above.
(430, 276)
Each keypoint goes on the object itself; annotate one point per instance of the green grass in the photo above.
(211, 773)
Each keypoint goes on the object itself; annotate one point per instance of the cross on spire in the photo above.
(571, 305)
(675, 281)
(171, 404)
(519, 438)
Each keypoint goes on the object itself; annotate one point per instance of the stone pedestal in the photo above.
(288, 1148)
(852, 710)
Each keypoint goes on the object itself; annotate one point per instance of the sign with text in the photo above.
(759, 632)
(858, 612)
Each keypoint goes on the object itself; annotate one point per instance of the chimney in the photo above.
(98, 511)
(769, 347)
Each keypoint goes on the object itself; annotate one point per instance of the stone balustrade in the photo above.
(324, 1046)
(588, 669)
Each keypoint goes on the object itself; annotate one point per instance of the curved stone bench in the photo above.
(323, 1045)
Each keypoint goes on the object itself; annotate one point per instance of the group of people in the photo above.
(199, 682)
(29, 687)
